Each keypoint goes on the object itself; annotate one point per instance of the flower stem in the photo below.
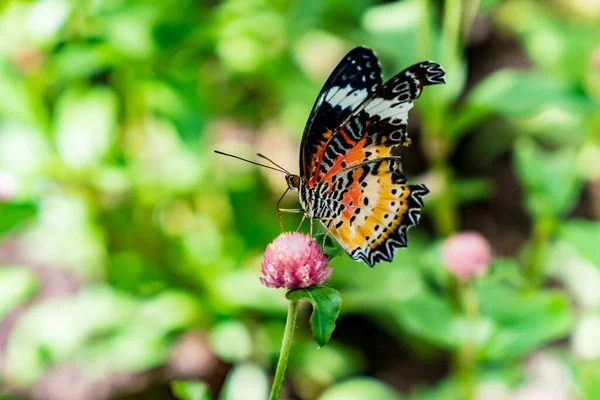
(536, 254)
(437, 150)
(290, 326)
(446, 209)
(467, 357)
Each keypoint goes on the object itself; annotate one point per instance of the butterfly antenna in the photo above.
(252, 162)
(273, 162)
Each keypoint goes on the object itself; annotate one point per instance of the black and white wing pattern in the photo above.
(377, 125)
(352, 81)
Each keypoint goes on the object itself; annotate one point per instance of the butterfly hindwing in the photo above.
(352, 81)
(373, 207)
(378, 124)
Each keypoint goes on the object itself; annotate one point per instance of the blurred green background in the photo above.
(130, 253)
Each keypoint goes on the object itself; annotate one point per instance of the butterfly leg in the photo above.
(288, 210)
(279, 210)
(327, 231)
(301, 222)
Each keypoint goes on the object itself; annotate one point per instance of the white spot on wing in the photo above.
(389, 108)
(346, 96)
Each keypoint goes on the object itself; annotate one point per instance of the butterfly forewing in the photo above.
(352, 81)
(377, 125)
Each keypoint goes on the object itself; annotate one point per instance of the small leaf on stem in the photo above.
(330, 249)
(326, 304)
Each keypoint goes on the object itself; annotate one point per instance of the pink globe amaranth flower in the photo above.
(294, 261)
(466, 254)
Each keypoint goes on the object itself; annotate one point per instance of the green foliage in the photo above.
(13, 214)
(523, 322)
(109, 114)
(583, 236)
(18, 285)
(247, 381)
(330, 248)
(190, 390)
(326, 303)
(358, 389)
(550, 179)
(109, 331)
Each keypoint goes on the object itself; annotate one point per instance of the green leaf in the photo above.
(517, 95)
(13, 214)
(326, 365)
(473, 190)
(449, 388)
(18, 285)
(584, 236)
(190, 390)
(330, 248)
(231, 341)
(91, 313)
(506, 271)
(326, 304)
(523, 321)
(76, 60)
(246, 381)
(573, 260)
(18, 102)
(394, 27)
(551, 182)
(589, 379)
(359, 389)
(85, 125)
(429, 316)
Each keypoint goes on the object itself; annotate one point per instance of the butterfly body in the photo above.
(350, 180)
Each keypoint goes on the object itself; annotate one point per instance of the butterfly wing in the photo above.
(370, 204)
(352, 81)
(374, 207)
(377, 125)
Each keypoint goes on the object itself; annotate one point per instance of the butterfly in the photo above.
(349, 179)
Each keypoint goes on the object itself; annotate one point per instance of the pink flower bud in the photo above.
(9, 186)
(293, 261)
(466, 254)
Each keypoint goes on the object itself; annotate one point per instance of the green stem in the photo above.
(446, 208)
(451, 28)
(467, 357)
(425, 50)
(536, 254)
(437, 150)
(284, 355)
(469, 13)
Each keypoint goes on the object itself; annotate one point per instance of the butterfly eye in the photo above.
(293, 181)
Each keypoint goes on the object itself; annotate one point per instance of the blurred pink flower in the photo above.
(466, 254)
(293, 261)
(28, 60)
(9, 186)
(597, 59)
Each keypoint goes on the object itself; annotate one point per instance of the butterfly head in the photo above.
(293, 181)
